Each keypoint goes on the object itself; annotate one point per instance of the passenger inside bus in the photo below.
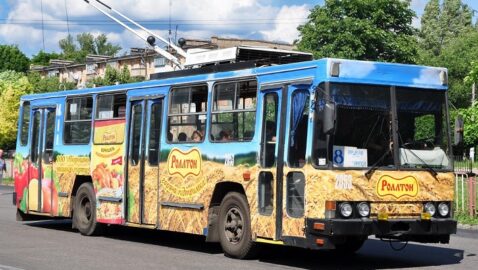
(197, 136)
(182, 137)
(224, 136)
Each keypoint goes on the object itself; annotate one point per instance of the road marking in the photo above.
(6, 267)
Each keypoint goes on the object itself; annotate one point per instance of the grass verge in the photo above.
(7, 181)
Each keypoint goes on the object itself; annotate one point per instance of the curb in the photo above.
(467, 227)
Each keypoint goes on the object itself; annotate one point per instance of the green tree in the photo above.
(11, 58)
(86, 44)
(442, 24)
(48, 84)
(456, 55)
(12, 86)
(114, 76)
(361, 29)
(43, 58)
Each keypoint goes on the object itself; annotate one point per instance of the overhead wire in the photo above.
(67, 19)
(42, 25)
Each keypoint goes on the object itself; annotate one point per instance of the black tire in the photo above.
(84, 214)
(235, 227)
(350, 246)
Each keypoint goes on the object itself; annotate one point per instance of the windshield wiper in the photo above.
(428, 167)
(375, 166)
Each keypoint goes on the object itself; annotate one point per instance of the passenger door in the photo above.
(41, 185)
(143, 160)
(271, 163)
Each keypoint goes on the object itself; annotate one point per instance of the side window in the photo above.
(77, 129)
(25, 123)
(49, 137)
(269, 130)
(266, 193)
(111, 106)
(136, 122)
(234, 111)
(35, 136)
(187, 114)
(298, 128)
(154, 133)
(295, 194)
(319, 147)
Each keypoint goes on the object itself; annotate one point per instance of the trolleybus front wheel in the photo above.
(235, 227)
(84, 215)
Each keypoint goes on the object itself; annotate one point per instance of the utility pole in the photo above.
(473, 94)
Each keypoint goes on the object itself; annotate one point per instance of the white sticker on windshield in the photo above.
(349, 156)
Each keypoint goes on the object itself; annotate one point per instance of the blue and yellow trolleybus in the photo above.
(317, 154)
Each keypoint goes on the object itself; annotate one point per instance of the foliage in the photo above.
(448, 39)
(12, 87)
(11, 58)
(43, 58)
(470, 121)
(456, 56)
(114, 76)
(361, 29)
(440, 25)
(48, 84)
(472, 76)
(86, 44)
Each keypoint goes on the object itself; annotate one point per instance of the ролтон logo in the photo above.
(388, 185)
(184, 163)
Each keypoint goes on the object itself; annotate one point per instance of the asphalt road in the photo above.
(54, 245)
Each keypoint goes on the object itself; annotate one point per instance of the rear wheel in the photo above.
(84, 215)
(235, 227)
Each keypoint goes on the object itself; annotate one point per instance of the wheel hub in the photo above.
(233, 225)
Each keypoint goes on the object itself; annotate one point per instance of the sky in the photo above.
(273, 20)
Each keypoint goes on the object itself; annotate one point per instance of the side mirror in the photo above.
(459, 127)
(329, 118)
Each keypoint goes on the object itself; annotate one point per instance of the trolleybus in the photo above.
(318, 154)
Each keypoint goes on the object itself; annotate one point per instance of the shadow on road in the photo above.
(375, 254)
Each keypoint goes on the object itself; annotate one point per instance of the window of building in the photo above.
(78, 120)
(25, 123)
(234, 111)
(187, 114)
(91, 69)
(159, 62)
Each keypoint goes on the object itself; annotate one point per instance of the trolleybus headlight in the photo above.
(363, 209)
(443, 209)
(430, 208)
(346, 209)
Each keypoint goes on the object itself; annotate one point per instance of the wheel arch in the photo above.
(221, 189)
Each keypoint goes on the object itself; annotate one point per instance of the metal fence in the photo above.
(466, 198)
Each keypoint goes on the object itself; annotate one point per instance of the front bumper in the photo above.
(337, 231)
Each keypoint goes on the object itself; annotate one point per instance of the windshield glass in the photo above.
(422, 129)
(362, 134)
